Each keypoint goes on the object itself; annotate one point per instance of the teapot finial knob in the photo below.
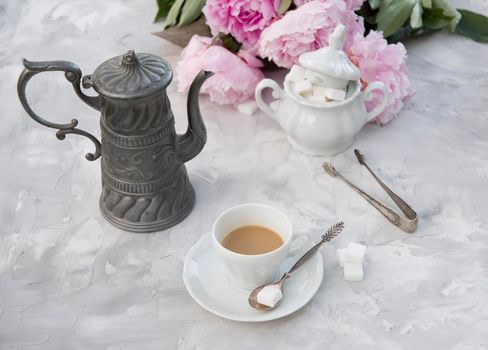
(336, 40)
(129, 58)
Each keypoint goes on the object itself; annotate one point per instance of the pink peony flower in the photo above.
(379, 61)
(235, 77)
(244, 19)
(350, 4)
(354, 4)
(307, 29)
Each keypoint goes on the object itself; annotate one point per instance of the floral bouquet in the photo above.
(251, 35)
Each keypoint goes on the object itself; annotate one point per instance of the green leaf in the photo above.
(284, 6)
(406, 32)
(164, 6)
(374, 4)
(367, 12)
(416, 16)
(230, 43)
(435, 18)
(393, 15)
(401, 34)
(386, 3)
(191, 11)
(370, 20)
(449, 10)
(473, 25)
(227, 41)
(173, 13)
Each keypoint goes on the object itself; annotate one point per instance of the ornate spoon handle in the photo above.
(332, 232)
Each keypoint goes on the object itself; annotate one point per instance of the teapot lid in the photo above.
(331, 60)
(131, 76)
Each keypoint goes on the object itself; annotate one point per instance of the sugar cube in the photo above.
(335, 94)
(303, 87)
(269, 295)
(319, 90)
(296, 74)
(341, 256)
(248, 108)
(307, 94)
(353, 271)
(317, 99)
(355, 252)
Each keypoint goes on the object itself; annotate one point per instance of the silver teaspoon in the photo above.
(332, 232)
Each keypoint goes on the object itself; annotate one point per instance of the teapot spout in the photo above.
(192, 141)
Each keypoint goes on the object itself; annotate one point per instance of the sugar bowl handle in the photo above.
(276, 91)
(368, 96)
(73, 75)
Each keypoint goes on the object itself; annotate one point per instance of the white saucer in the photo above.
(206, 280)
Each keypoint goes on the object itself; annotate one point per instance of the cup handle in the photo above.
(368, 96)
(297, 245)
(258, 94)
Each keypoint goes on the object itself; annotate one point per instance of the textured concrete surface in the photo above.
(68, 280)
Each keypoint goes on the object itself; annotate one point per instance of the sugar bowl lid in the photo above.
(331, 60)
(131, 76)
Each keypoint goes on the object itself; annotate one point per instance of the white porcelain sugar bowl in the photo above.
(315, 124)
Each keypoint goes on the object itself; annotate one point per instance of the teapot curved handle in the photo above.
(368, 96)
(258, 94)
(73, 75)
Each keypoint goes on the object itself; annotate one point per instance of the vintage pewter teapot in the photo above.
(145, 186)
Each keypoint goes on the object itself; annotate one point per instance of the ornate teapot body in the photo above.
(321, 130)
(145, 186)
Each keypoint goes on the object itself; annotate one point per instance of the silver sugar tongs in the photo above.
(408, 224)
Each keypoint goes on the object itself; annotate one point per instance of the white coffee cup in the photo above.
(250, 271)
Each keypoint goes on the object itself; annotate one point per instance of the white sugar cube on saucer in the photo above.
(303, 87)
(353, 271)
(269, 295)
(335, 94)
(341, 256)
(355, 252)
(296, 74)
(248, 108)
